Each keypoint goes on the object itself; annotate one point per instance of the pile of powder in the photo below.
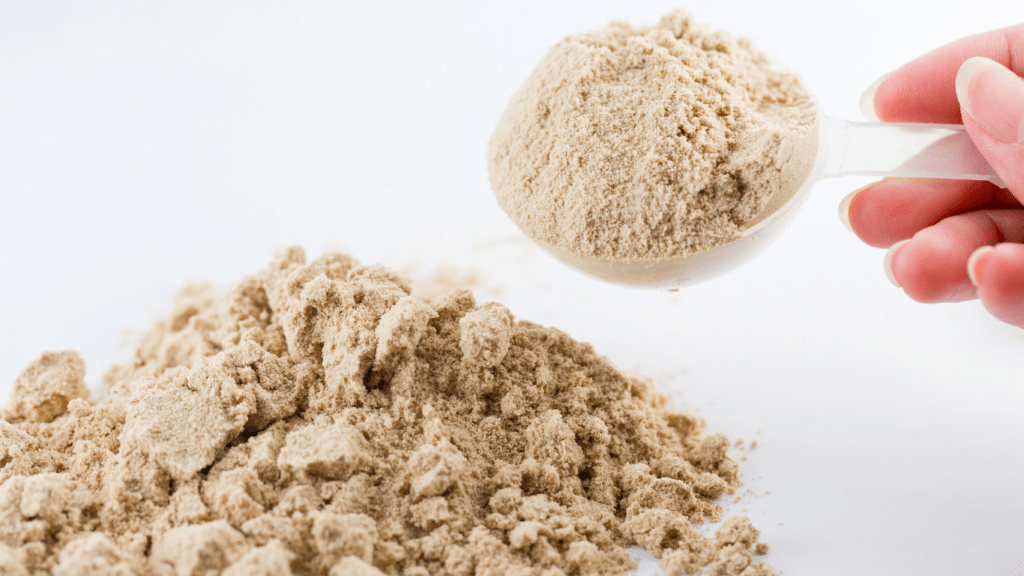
(645, 143)
(317, 419)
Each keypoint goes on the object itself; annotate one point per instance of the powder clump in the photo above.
(486, 335)
(639, 143)
(95, 554)
(45, 387)
(318, 420)
(335, 451)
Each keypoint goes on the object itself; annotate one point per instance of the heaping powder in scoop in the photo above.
(320, 420)
(647, 143)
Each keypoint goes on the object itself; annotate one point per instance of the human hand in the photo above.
(952, 240)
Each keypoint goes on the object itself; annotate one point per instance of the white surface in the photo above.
(143, 146)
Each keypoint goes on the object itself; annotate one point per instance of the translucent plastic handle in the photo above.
(896, 149)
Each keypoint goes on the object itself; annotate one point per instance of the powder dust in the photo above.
(646, 143)
(317, 419)
(443, 279)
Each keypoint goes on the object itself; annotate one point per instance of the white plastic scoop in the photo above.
(844, 149)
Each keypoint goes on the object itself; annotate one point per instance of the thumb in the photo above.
(992, 105)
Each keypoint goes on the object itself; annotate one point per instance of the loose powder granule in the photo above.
(647, 143)
(317, 419)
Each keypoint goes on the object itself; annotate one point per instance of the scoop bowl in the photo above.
(844, 148)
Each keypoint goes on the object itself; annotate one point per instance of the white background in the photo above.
(143, 146)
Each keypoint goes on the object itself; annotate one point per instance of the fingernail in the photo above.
(888, 262)
(972, 262)
(867, 99)
(844, 206)
(994, 97)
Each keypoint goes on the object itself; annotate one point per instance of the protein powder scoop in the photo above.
(666, 155)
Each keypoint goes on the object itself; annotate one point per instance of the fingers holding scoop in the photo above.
(976, 81)
(952, 241)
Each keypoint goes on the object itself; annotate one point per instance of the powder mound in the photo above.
(319, 420)
(642, 143)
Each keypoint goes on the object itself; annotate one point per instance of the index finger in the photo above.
(924, 89)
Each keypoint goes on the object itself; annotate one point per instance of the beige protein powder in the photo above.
(318, 419)
(646, 143)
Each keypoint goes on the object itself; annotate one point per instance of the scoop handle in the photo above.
(898, 149)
